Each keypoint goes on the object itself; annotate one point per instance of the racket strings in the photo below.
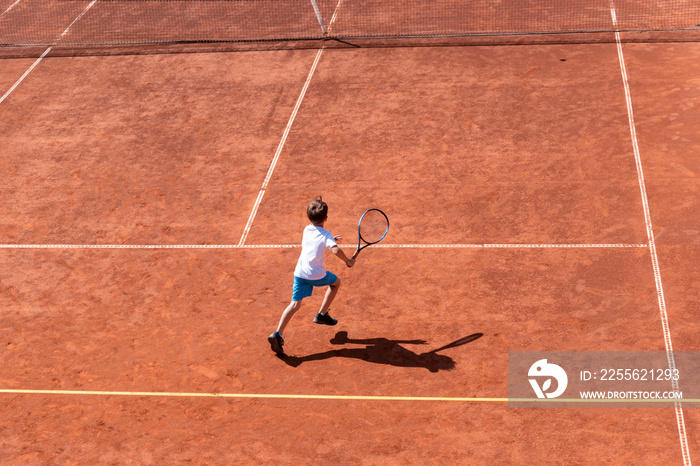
(373, 226)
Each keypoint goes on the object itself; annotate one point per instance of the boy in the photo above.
(309, 271)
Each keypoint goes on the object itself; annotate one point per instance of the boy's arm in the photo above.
(341, 255)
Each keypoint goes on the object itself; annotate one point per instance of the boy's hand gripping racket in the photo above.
(372, 228)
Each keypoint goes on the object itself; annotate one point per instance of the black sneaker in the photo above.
(276, 342)
(325, 319)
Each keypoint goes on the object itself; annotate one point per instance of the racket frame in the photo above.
(360, 239)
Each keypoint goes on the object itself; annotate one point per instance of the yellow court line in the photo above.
(247, 395)
(335, 397)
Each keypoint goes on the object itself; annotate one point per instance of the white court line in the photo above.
(26, 73)
(9, 8)
(244, 236)
(652, 244)
(335, 14)
(290, 246)
(280, 146)
(509, 246)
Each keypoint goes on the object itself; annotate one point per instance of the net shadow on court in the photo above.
(14, 52)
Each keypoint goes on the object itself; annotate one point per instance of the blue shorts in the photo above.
(303, 287)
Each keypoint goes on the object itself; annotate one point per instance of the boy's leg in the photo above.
(287, 315)
(276, 340)
(330, 295)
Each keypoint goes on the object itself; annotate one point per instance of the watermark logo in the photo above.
(542, 369)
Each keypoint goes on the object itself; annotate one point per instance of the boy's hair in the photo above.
(317, 211)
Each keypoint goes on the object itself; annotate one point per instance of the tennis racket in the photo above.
(371, 229)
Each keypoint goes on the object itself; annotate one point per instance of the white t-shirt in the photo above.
(313, 249)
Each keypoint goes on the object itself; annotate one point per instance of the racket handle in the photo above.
(352, 258)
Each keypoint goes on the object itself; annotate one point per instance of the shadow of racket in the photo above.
(460, 342)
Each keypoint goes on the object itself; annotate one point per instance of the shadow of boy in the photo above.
(384, 351)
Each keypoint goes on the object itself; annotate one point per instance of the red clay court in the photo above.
(538, 164)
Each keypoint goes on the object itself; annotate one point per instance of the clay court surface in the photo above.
(517, 161)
